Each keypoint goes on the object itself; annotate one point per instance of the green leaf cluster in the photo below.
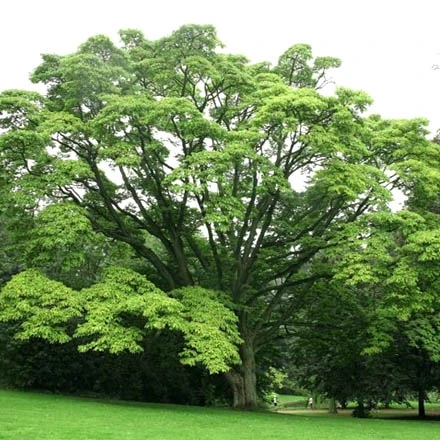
(115, 315)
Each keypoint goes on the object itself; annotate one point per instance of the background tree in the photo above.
(396, 261)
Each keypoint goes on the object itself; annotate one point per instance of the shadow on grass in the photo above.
(382, 414)
(408, 417)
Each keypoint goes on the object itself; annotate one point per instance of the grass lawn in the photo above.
(288, 398)
(32, 416)
(291, 401)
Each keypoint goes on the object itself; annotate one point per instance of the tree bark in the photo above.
(421, 405)
(243, 380)
(332, 409)
(236, 383)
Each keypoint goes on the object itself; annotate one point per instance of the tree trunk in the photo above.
(243, 380)
(421, 406)
(316, 400)
(332, 406)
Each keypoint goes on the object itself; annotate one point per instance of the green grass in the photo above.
(291, 401)
(31, 416)
(289, 398)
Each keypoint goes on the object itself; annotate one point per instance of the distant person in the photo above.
(310, 403)
(275, 400)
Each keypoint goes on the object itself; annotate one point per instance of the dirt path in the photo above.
(311, 412)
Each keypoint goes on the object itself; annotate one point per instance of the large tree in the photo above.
(219, 173)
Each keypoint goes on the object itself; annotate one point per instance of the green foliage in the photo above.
(43, 308)
(119, 308)
(297, 68)
(60, 229)
(276, 378)
(209, 328)
(397, 257)
(119, 312)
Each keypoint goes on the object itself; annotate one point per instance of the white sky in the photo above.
(387, 46)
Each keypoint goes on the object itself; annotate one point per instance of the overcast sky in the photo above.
(387, 47)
